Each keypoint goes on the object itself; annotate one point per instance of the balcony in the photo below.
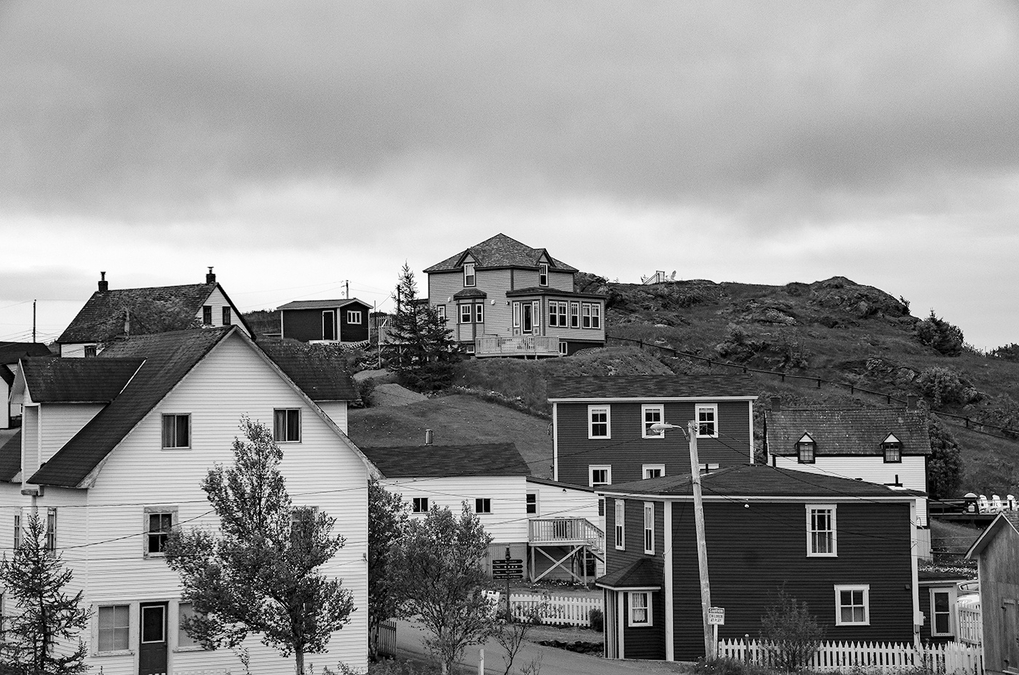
(565, 532)
(526, 346)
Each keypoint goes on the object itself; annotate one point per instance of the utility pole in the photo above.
(346, 289)
(33, 320)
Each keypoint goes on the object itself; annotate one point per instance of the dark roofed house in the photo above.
(109, 314)
(10, 354)
(504, 298)
(340, 321)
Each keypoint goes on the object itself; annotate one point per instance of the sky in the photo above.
(301, 147)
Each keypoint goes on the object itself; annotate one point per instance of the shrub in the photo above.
(944, 466)
(790, 632)
(941, 385)
(942, 336)
(597, 619)
(366, 390)
(729, 667)
(1009, 352)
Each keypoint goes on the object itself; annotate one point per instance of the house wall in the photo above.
(353, 332)
(302, 324)
(561, 502)
(58, 423)
(626, 451)
(77, 350)
(998, 567)
(911, 472)
(320, 470)
(337, 411)
(218, 301)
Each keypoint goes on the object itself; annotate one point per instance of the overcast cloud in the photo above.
(296, 145)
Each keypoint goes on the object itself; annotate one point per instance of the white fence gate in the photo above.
(948, 658)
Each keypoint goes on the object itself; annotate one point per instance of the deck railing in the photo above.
(971, 624)
(526, 345)
(565, 531)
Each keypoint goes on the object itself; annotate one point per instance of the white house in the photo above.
(112, 450)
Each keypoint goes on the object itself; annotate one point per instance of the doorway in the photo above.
(152, 639)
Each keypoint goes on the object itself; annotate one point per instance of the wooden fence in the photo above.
(948, 658)
(387, 638)
(556, 610)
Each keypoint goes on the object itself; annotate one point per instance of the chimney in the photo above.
(210, 278)
(911, 402)
(104, 285)
(428, 436)
(776, 403)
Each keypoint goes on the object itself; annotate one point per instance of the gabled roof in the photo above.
(168, 357)
(448, 461)
(849, 431)
(6, 375)
(322, 304)
(759, 481)
(500, 251)
(319, 371)
(1006, 520)
(10, 458)
(646, 573)
(558, 484)
(56, 380)
(650, 387)
(12, 352)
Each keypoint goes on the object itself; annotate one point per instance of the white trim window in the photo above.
(482, 505)
(595, 315)
(465, 313)
(419, 505)
(619, 525)
(941, 612)
(564, 348)
(479, 313)
(531, 503)
(543, 274)
(599, 421)
(649, 528)
(440, 311)
(470, 279)
(892, 450)
(50, 543)
(574, 315)
(177, 431)
(806, 450)
(599, 475)
(707, 420)
(206, 315)
(184, 639)
(516, 314)
(652, 470)
(639, 605)
(585, 314)
(159, 522)
(286, 425)
(852, 605)
(354, 317)
(822, 532)
(652, 414)
(113, 629)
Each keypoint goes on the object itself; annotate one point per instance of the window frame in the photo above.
(227, 319)
(619, 525)
(631, 621)
(833, 531)
(645, 429)
(531, 503)
(585, 315)
(470, 275)
(649, 528)
(806, 451)
(163, 429)
(595, 316)
(354, 317)
(192, 645)
(19, 537)
(591, 410)
(647, 468)
(891, 448)
(865, 604)
(543, 274)
(466, 313)
(564, 348)
(482, 505)
(706, 407)
(126, 628)
(206, 315)
(949, 593)
(284, 437)
(479, 312)
(591, 468)
(147, 513)
(419, 505)
(440, 311)
(90, 351)
(574, 314)
(50, 535)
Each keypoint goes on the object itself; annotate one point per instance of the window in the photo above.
(806, 450)
(598, 421)
(821, 533)
(440, 311)
(574, 315)
(620, 525)
(419, 505)
(564, 348)
(51, 529)
(652, 414)
(941, 611)
(599, 476)
(159, 523)
(469, 278)
(532, 503)
(585, 314)
(286, 425)
(557, 313)
(640, 608)
(17, 530)
(114, 627)
(892, 450)
(207, 315)
(516, 315)
(329, 324)
(184, 639)
(226, 316)
(595, 316)
(707, 421)
(852, 605)
(649, 527)
(90, 351)
(601, 507)
(482, 505)
(354, 317)
(479, 313)
(177, 431)
(543, 274)
(653, 471)
(153, 620)
(708, 468)
(465, 313)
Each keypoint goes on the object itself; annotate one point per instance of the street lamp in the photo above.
(698, 513)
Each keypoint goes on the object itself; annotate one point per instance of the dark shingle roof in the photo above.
(321, 304)
(318, 370)
(447, 461)
(10, 458)
(854, 431)
(644, 573)
(500, 251)
(168, 357)
(12, 352)
(758, 480)
(469, 293)
(56, 380)
(647, 387)
(6, 375)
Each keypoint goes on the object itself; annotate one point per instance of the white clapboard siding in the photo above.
(337, 411)
(60, 422)
(218, 301)
(320, 470)
(557, 501)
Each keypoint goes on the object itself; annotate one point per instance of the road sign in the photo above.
(716, 616)
(508, 564)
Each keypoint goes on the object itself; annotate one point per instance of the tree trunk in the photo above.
(299, 662)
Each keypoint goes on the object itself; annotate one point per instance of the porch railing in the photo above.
(551, 531)
(525, 345)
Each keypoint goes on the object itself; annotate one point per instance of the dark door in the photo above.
(152, 640)
(329, 325)
(527, 322)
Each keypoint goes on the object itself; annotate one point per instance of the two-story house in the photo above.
(112, 452)
(132, 311)
(341, 321)
(602, 426)
(504, 298)
(843, 547)
(879, 445)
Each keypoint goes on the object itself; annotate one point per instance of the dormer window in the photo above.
(892, 449)
(543, 274)
(805, 449)
(469, 278)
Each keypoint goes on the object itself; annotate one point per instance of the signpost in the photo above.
(508, 568)
(716, 618)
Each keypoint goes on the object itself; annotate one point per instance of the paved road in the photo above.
(553, 661)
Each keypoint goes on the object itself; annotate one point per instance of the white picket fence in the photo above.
(554, 610)
(948, 658)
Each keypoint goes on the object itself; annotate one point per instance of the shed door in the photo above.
(1010, 636)
(152, 639)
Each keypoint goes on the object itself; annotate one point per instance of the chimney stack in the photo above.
(104, 285)
(911, 402)
(210, 278)
(776, 403)
(428, 436)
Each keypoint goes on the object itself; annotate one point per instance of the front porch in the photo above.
(571, 545)
(525, 346)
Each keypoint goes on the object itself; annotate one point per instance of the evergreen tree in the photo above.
(39, 639)
(258, 574)
(944, 465)
(421, 349)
